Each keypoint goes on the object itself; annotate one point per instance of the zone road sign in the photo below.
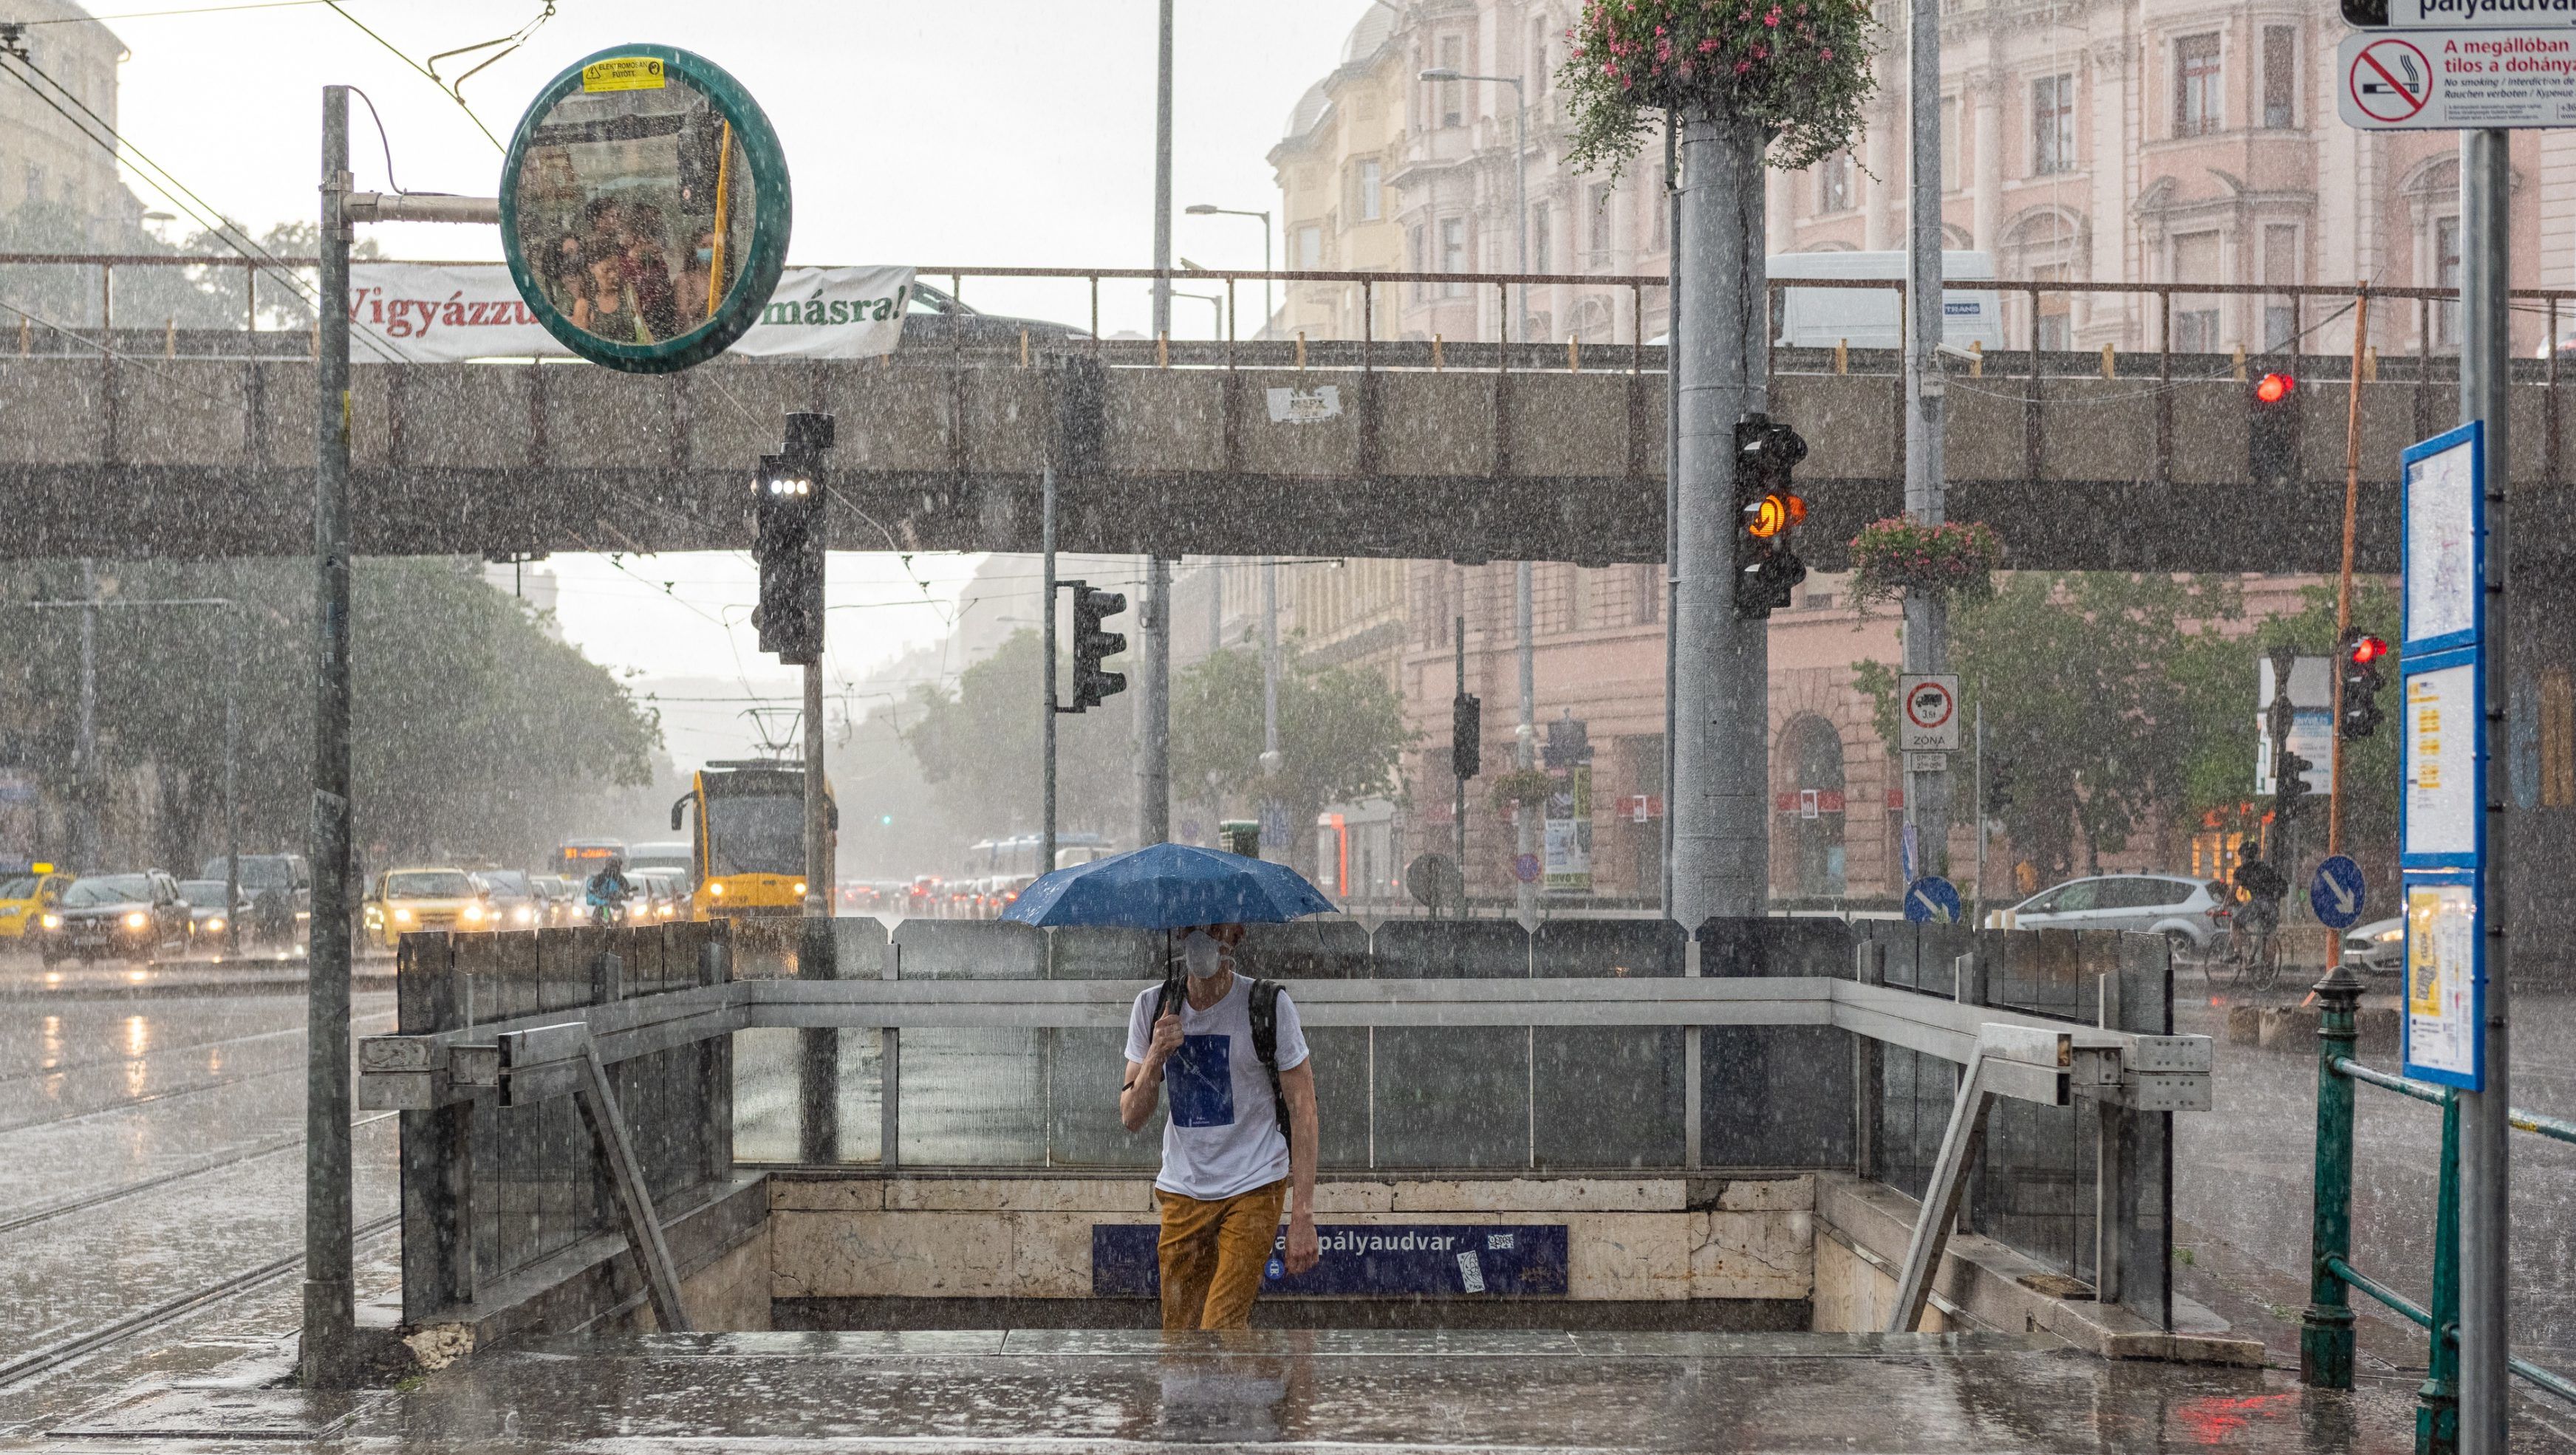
(1927, 714)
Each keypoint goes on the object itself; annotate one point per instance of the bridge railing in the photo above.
(235, 305)
(2326, 1332)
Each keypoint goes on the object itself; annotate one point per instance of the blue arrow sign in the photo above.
(1932, 900)
(2336, 893)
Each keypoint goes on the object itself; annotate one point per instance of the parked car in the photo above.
(208, 915)
(131, 916)
(278, 889)
(25, 897)
(405, 900)
(511, 898)
(2377, 948)
(2189, 913)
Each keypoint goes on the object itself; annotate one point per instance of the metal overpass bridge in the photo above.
(151, 443)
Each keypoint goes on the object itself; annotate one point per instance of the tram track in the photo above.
(65, 1068)
(53, 1356)
(171, 1092)
(13, 1222)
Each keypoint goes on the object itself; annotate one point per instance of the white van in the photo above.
(1867, 318)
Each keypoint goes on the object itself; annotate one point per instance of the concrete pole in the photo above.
(1721, 709)
(1270, 757)
(1525, 819)
(1154, 707)
(818, 833)
(232, 770)
(2485, 1166)
(1163, 181)
(330, 1315)
(85, 849)
(1672, 486)
(1927, 619)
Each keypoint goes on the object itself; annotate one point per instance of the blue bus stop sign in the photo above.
(1932, 900)
(2336, 893)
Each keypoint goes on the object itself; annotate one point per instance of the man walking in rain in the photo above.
(1241, 1138)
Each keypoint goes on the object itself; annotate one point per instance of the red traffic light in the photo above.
(2367, 650)
(2273, 388)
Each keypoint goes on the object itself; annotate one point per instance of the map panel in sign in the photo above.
(2461, 79)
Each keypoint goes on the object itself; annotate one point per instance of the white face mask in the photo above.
(1202, 954)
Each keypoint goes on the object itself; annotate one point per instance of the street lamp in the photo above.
(1210, 209)
(1526, 733)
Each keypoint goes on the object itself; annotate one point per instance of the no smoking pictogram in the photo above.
(2390, 80)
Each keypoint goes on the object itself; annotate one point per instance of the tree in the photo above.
(1341, 735)
(2121, 701)
(979, 747)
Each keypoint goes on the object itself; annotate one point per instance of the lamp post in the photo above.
(1526, 733)
(1210, 209)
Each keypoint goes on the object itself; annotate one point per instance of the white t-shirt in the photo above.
(1223, 1134)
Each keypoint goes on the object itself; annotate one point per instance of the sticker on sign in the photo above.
(2461, 79)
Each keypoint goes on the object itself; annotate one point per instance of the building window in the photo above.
(1834, 184)
(1538, 58)
(1453, 255)
(1453, 94)
(1663, 217)
(2198, 99)
(2195, 317)
(2052, 125)
(1372, 184)
(2446, 274)
(1310, 247)
(1597, 220)
(1542, 256)
(1649, 593)
(1420, 252)
(2281, 266)
(2056, 320)
(2280, 76)
(1951, 180)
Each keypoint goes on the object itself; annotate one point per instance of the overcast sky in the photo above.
(1003, 133)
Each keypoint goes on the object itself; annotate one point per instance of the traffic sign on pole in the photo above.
(2472, 78)
(1927, 714)
(2337, 893)
(1932, 900)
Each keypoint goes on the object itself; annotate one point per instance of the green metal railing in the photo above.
(2326, 1329)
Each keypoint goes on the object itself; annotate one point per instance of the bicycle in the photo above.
(2253, 949)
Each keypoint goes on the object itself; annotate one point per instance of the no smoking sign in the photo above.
(2390, 80)
(2474, 76)
(1927, 714)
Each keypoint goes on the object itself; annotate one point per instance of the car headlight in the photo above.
(215, 922)
(53, 921)
(521, 914)
(402, 916)
(2390, 937)
(136, 919)
(473, 914)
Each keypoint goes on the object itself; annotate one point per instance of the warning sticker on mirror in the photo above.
(623, 73)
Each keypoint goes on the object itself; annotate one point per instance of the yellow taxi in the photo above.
(403, 901)
(25, 897)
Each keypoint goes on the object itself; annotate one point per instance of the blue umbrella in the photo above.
(1169, 887)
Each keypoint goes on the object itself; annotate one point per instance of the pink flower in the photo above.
(1829, 53)
(1707, 46)
(1760, 54)
(1772, 19)
(1743, 66)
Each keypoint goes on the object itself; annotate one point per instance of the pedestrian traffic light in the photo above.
(2289, 786)
(2272, 434)
(1767, 512)
(2360, 654)
(1092, 646)
(1999, 782)
(789, 504)
(1466, 735)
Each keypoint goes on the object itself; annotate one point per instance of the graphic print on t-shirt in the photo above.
(1201, 1081)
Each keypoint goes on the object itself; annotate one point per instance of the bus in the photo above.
(578, 859)
(662, 854)
(1017, 856)
(746, 827)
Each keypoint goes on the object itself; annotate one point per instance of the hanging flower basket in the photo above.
(1954, 561)
(1524, 788)
(1797, 69)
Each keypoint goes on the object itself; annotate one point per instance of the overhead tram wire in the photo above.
(432, 76)
(145, 365)
(204, 213)
(187, 10)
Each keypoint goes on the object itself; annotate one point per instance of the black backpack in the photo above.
(1265, 1033)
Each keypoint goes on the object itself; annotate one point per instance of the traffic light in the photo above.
(1091, 646)
(1999, 782)
(2359, 655)
(2289, 786)
(2272, 432)
(1466, 735)
(789, 504)
(1767, 511)
(2365, 13)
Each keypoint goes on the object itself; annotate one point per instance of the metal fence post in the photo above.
(2325, 1330)
(2437, 1402)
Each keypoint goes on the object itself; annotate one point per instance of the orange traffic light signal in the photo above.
(2273, 388)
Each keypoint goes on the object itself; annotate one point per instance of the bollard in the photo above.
(2325, 1330)
(2437, 1402)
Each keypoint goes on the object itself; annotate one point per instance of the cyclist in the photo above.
(2262, 888)
(608, 891)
